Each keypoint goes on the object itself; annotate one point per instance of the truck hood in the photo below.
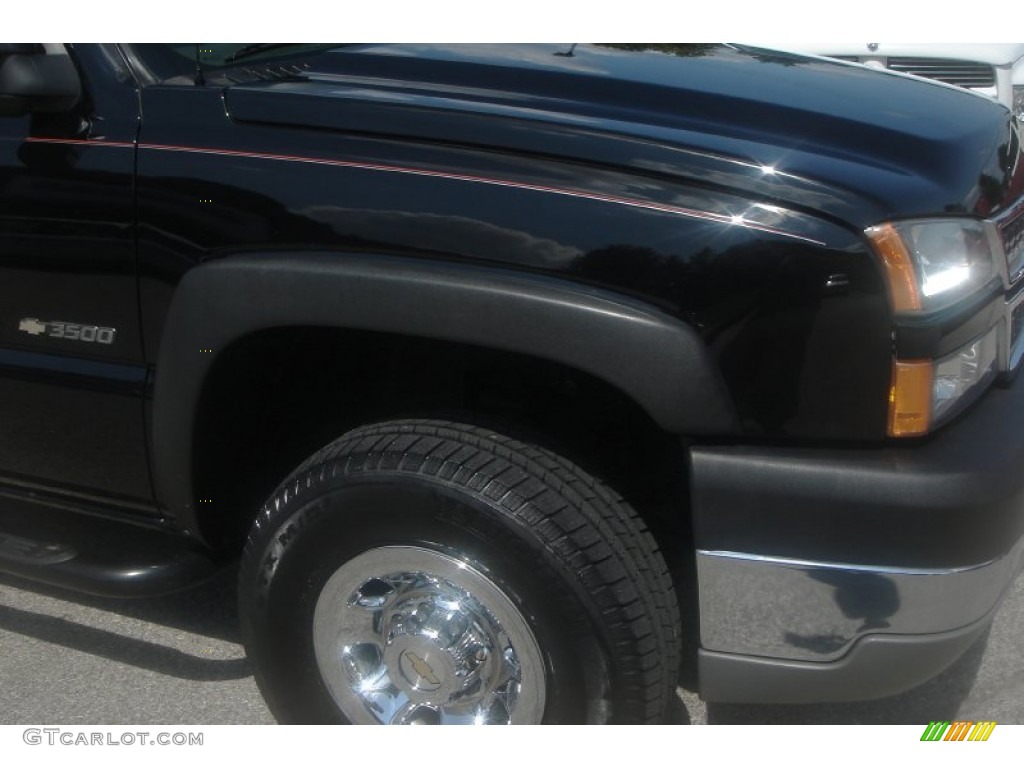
(858, 145)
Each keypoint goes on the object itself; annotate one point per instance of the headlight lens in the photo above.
(956, 375)
(933, 263)
(926, 393)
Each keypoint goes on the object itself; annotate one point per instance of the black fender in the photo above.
(657, 360)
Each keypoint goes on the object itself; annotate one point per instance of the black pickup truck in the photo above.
(486, 364)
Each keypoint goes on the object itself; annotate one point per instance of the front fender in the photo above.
(657, 360)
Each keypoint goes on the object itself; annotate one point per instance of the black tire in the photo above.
(540, 561)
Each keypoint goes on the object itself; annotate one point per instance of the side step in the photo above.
(96, 555)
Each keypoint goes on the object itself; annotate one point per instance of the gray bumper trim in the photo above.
(814, 611)
(878, 666)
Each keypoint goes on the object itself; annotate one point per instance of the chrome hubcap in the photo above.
(406, 635)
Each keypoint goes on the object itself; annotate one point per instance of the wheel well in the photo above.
(275, 397)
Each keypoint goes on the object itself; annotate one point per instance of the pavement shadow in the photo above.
(207, 610)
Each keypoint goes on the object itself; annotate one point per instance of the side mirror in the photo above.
(31, 81)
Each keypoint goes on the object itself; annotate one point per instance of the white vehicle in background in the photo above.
(995, 69)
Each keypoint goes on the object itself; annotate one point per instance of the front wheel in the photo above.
(437, 573)
(409, 635)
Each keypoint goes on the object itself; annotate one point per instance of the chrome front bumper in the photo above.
(814, 611)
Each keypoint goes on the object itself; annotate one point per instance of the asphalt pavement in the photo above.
(70, 659)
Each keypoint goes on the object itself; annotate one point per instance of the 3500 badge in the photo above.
(93, 334)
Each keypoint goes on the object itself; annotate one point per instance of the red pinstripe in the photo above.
(579, 194)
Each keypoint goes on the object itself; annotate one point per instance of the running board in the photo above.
(96, 555)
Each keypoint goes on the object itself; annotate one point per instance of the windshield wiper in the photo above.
(255, 48)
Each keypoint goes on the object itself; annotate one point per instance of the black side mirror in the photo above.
(31, 81)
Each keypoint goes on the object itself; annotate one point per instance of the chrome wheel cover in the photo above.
(408, 635)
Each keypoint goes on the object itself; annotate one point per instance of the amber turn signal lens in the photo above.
(899, 269)
(910, 398)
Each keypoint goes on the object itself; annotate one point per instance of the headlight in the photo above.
(931, 264)
(926, 393)
(1018, 102)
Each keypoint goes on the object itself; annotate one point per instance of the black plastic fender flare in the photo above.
(657, 360)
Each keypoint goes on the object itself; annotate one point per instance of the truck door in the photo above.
(72, 372)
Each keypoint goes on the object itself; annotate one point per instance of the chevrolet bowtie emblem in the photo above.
(422, 669)
(32, 326)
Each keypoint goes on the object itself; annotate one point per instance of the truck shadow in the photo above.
(207, 611)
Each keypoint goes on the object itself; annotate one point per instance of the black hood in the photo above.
(858, 144)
